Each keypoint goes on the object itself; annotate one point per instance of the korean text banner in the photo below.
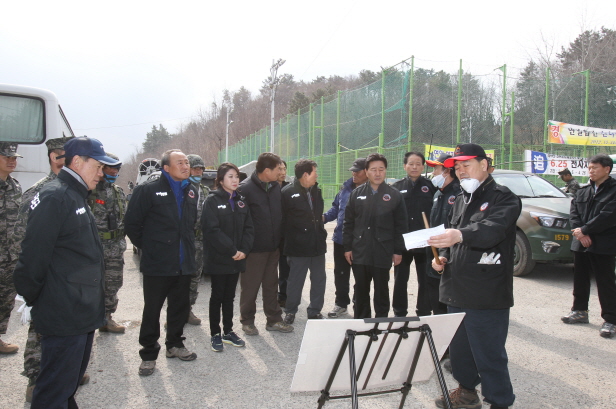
(439, 150)
(568, 134)
(548, 164)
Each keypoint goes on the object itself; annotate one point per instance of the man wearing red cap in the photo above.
(477, 252)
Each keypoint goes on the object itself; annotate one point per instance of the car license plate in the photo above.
(562, 237)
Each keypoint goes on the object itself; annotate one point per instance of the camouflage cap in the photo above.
(57, 143)
(114, 156)
(195, 161)
(9, 149)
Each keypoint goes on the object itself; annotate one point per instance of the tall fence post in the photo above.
(299, 146)
(546, 109)
(382, 106)
(411, 87)
(322, 126)
(338, 138)
(288, 137)
(459, 119)
(503, 112)
(511, 127)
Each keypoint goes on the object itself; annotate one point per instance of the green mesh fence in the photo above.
(410, 108)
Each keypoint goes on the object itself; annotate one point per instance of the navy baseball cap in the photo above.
(90, 147)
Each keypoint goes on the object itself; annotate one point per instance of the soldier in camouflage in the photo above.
(10, 199)
(197, 166)
(108, 204)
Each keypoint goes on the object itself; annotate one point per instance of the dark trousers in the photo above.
(400, 301)
(157, 289)
(602, 265)
(283, 276)
(222, 297)
(478, 354)
(364, 275)
(432, 288)
(342, 276)
(260, 271)
(63, 362)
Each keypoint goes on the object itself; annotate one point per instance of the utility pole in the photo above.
(273, 84)
(227, 134)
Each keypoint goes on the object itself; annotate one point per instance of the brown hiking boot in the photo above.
(250, 329)
(280, 326)
(461, 398)
(112, 326)
(193, 319)
(147, 368)
(6, 348)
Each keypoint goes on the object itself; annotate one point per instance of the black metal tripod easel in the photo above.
(402, 332)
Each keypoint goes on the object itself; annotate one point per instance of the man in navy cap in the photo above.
(60, 272)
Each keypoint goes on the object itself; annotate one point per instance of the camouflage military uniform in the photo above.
(194, 283)
(10, 199)
(108, 204)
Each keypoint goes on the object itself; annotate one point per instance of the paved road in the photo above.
(553, 365)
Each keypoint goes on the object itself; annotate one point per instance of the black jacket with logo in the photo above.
(595, 213)
(374, 224)
(226, 230)
(303, 229)
(153, 224)
(417, 199)
(61, 265)
(443, 202)
(479, 271)
(266, 211)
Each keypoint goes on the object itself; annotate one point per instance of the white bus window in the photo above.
(21, 119)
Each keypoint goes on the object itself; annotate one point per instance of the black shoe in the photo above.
(318, 316)
(282, 303)
(289, 318)
(233, 339)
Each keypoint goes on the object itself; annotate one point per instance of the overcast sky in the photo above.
(119, 67)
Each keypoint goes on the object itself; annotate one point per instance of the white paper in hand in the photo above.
(419, 238)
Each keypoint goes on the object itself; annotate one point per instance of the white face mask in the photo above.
(438, 181)
(469, 185)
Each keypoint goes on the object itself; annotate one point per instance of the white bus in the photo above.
(29, 116)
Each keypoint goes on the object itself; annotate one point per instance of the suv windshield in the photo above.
(528, 185)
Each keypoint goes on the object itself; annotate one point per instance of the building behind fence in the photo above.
(411, 108)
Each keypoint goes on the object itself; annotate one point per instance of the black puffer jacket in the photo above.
(226, 230)
(488, 225)
(595, 213)
(304, 233)
(374, 224)
(61, 265)
(266, 211)
(153, 224)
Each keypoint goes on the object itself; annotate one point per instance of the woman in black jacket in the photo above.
(228, 234)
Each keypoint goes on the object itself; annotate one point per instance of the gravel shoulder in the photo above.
(552, 365)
